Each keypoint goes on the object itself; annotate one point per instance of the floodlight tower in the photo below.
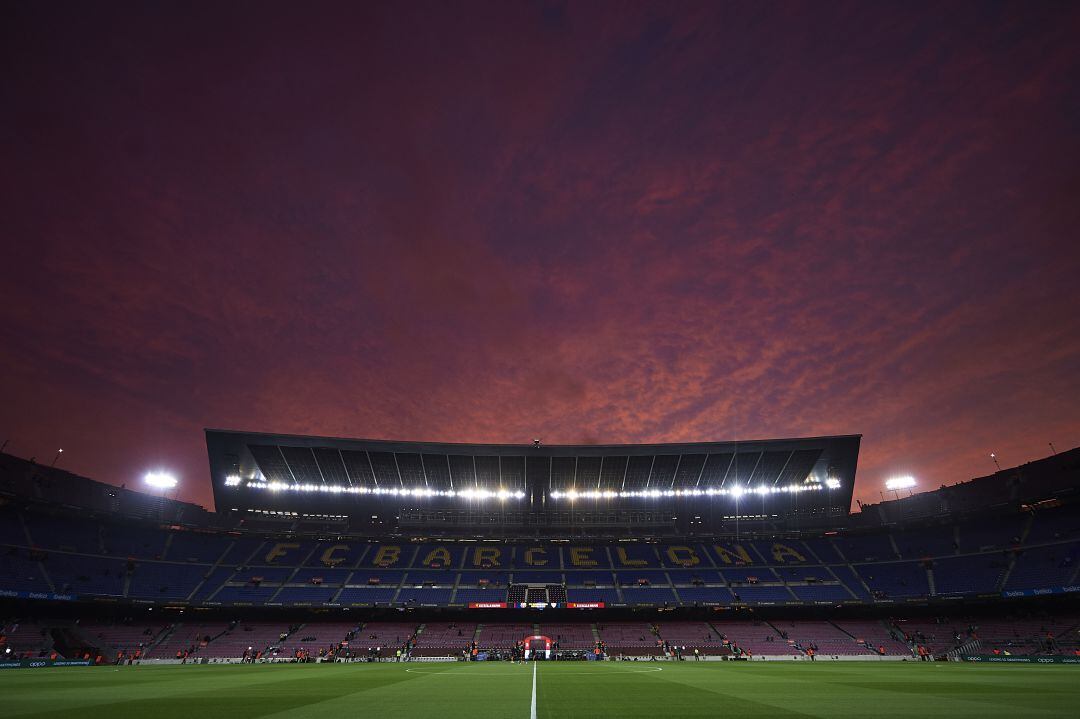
(162, 481)
(895, 484)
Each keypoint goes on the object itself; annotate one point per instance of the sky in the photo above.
(585, 222)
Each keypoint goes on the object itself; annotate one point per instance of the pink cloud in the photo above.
(565, 222)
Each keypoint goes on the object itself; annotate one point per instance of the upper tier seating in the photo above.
(895, 579)
(1044, 567)
(92, 558)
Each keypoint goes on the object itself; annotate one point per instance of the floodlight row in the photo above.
(387, 491)
(694, 492)
(505, 494)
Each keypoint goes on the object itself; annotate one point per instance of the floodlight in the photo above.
(572, 494)
(160, 480)
(899, 483)
(415, 492)
(232, 480)
(832, 483)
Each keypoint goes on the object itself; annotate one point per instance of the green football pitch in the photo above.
(572, 689)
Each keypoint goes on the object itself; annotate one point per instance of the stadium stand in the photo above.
(1017, 635)
(258, 636)
(631, 638)
(250, 571)
(19, 573)
(692, 635)
(502, 636)
(758, 637)
(571, 636)
(444, 638)
(1045, 566)
(895, 579)
(186, 637)
(874, 635)
(585, 595)
(826, 586)
(25, 639)
(126, 638)
(968, 574)
(387, 637)
(314, 636)
(823, 637)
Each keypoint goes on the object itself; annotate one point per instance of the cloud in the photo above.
(655, 224)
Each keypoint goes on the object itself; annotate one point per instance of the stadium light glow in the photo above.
(160, 480)
(416, 492)
(900, 483)
(832, 483)
(232, 480)
(505, 494)
(573, 494)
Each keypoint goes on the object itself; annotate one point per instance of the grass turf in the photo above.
(572, 689)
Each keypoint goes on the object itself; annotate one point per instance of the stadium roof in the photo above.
(261, 471)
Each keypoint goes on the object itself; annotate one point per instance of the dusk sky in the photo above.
(585, 222)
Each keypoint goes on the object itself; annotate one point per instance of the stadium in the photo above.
(373, 570)
(539, 359)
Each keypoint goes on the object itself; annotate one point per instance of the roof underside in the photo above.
(325, 461)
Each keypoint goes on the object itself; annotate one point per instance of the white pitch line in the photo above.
(475, 672)
(532, 710)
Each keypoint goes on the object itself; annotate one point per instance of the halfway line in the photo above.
(532, 710)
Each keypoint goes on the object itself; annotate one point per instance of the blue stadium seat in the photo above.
(716, 595)
(587, 594)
